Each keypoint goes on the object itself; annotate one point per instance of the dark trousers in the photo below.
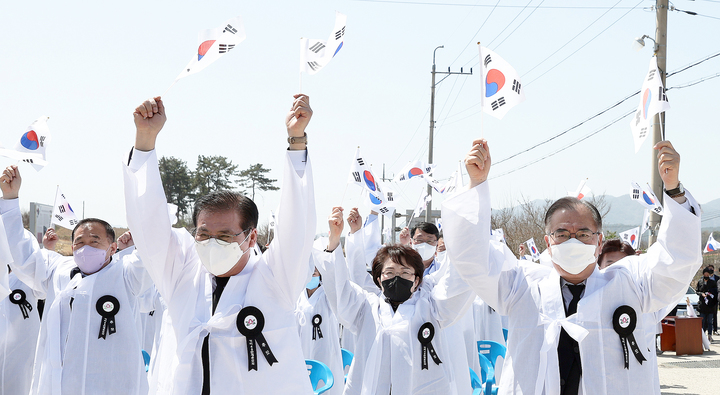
(707, 322)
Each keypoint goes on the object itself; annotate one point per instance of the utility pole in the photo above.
(661, 9)
(428, 209)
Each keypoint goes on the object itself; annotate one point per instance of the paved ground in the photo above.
(690, 374)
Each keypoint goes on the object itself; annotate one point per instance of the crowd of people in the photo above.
(162, 310)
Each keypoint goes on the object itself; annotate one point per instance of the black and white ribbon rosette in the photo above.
(19, 298)
(107, 306)
(316, 321)
(425, 336)
(250, 323)
(624, 323)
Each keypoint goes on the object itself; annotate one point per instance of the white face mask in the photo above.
(573, 256)
(440, 256)
(218, 258)
(425, 250)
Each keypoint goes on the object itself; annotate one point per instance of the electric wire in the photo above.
(476, 33)
(485, 5)
(521, 23)
(508, 25)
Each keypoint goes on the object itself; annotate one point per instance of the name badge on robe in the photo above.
(250, 323)
(425, 336)
(316, 321)
(624, 322)
(19, 298)
(107, 306)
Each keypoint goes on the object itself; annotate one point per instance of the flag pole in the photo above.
(482, 97)
(166, 90)
(300, 82)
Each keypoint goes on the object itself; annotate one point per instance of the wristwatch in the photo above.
(298, 140)
(677, 192)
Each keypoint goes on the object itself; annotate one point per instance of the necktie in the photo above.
(569, 351)
(220, 283)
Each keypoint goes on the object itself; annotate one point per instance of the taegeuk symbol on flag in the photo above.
(533, 250)
(316, 54)
(631, 236)
(31, 147)
(646, 197)
(652, 101)
(63, 215)
(214, 43)
(501, 87)
(712, 244)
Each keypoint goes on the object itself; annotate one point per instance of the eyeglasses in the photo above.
(406, 274)
(583, 235)
(222, 239)
(420, 241)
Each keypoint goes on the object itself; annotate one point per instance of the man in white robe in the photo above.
(536, 305)
(232, 310)
(89, 338)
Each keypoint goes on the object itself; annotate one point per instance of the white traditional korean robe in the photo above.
(388, 353)
(18, 339)
(531, 297)
(270, 282)
(80, 363)
(327, 348)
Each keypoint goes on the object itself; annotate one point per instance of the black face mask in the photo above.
(397, 289)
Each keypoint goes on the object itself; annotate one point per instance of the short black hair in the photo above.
(109, 231)
(402, 255)
(572, 203)
(228, 200)
(426, 227)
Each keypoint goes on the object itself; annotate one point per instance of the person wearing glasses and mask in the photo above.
(400, 346)
(232, 309)
(575, 329)
(89, 339)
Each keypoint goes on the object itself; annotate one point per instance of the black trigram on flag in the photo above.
(384, 210)
(487, 60)
(61, 208)
(516, 86)
(389, 196)
(636, 194)
(637, 117)
(230, 29)
(317, 47)
(73, 222)
(59, 217)
(222, 48)
(42, 140)
(498, 103)
(356, 176)
(360, 161)
(651, 75)
(340, 33)
(28, 160)
(661, 94)
(314, 65)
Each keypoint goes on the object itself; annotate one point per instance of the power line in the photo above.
(521, 23)
(476, 33)
(511, 22)
(696, 81)
(693, 64)
(485, 5)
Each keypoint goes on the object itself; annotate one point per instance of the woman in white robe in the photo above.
(389, 353)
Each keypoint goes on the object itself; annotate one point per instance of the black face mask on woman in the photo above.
(397, 289)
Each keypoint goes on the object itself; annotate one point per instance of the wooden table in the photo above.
(682, 335)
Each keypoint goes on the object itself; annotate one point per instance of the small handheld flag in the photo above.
(653, 100)
(501, 87)
(712, 244)
(361, 175)
(31, 147)
(63, 215)
(631, 236)
(316, 54)
(646, 197)
(533, 249)
(645, 222)
(581, 191)
(214, 43)
(412, 170)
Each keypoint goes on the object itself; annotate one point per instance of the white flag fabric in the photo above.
(645, 222)
(498, 235)
(31, 146)
(581, 191)
(361, 176)
(435, 184)
(384, 205)
(63, 215)
(712, 244)
(414, 169)
(420, 207)
(646, 197)
(653, 100)
(631, 236)
(316, 54)
(533, 250)
(5, 259)
(214, 43)
(172, 213)
(501, 87)
(438, 223)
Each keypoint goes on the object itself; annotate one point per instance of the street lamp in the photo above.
(639, 43)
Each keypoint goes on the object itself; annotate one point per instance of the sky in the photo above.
(87, 65)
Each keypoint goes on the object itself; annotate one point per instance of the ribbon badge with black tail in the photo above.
(250, 323)
(19, 298)
(107, 306)
(425, 335)
(624, 322)
(316, 321)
